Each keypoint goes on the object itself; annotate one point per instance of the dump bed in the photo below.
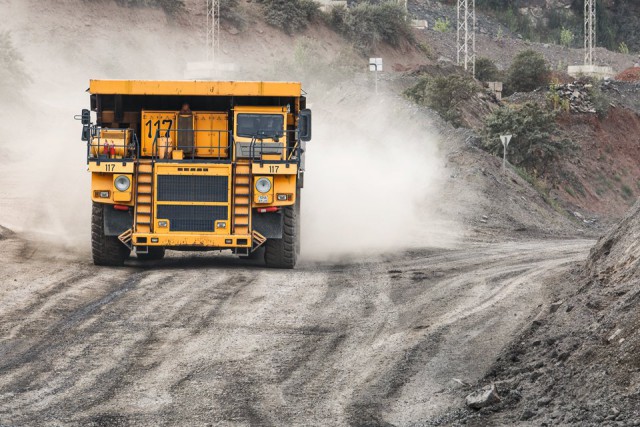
(194, 88)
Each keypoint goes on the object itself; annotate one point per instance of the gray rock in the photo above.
(555, 306)
(484, 397)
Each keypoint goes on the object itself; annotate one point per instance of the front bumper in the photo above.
(201, 240)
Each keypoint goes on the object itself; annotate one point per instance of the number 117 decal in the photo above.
(155, 128)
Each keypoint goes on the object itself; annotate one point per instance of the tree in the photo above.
(528, 71)
(486, 70)
(533, 127)
(290, 16)
(566, 37)
(443, 94)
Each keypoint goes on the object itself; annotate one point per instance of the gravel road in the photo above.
(211, 340)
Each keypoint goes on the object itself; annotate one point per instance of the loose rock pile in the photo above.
(576, 95)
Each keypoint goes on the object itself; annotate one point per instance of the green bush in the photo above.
(13, 76)
(623, 48)
(599, 100)
(528, 71)
(443, 94)
(533, 128)
(486, 70)
(442, 25)
(338, 18)
(368, 24)
(171, 7)
(566, 37)
(230, 12)
(290, 15)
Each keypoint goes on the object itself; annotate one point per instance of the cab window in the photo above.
(260, 125)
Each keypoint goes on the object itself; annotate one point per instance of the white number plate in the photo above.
(263, 199)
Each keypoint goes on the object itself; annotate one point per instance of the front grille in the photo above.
(189, 188)
(192, 218)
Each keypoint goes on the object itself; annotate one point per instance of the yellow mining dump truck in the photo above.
(195, 165)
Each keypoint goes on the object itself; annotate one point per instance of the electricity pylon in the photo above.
(213, 29)
(589, 31)
(466, 46)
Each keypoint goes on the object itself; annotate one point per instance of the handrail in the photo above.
(194, 148)
(126, 146)
(123, 147)
(219, 150)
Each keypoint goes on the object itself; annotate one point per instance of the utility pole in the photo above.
(589, 31)
(466, 35)
(213, 29)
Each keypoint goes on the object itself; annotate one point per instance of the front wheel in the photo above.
(282, 253)
(106, 250)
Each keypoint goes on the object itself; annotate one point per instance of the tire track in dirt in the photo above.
(198, 340)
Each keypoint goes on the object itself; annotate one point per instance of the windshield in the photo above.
(260, 125)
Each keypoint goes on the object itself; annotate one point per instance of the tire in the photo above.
(281, 253)
(106, 250)
(155, 253)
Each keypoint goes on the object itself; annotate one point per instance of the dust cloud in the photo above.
(374, 177)
(374, 171)
(44, 185)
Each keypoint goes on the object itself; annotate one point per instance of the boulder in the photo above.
(484, 397)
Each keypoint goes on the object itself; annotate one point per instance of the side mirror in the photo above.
(86, 117)
(304, 125)
(86, 133)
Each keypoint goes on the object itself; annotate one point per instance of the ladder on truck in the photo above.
(242, 198)
(143, 213)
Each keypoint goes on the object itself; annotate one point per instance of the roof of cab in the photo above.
(194, 88)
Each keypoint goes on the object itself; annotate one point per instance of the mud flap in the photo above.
(268, 224)
(116, 222)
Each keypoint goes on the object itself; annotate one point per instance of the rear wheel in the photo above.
(282, 253)
(155, 253)
(106, 250)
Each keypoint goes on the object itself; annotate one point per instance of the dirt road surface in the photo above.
(210, 340)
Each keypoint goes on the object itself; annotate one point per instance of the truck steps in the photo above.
(241, 220)
(144, 197)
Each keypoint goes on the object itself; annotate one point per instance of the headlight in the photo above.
(263, 185)
(122, 183)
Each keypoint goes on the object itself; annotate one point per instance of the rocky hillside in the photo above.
(577, 364)
(544, 20)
